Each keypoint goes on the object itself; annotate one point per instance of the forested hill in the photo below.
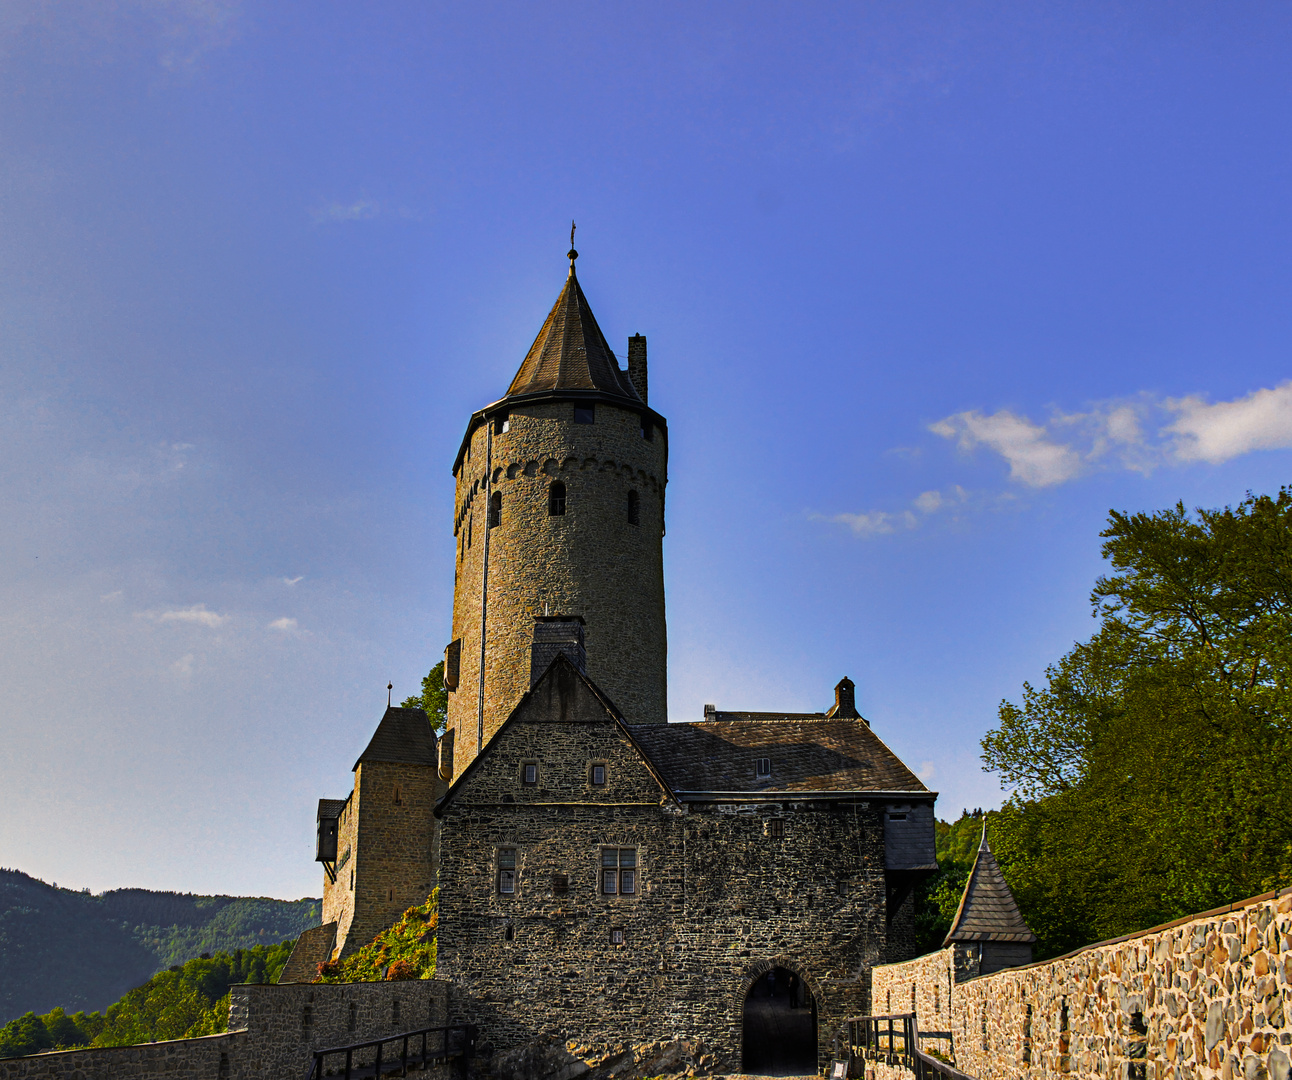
(83, 952)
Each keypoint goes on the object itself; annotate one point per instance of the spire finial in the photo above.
(389, 687)
(983, 845)
(572, 253)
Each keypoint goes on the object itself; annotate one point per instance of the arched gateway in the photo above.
(778, 1020)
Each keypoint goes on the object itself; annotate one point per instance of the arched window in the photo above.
(634, 509)
(556, 499)
(495, 509)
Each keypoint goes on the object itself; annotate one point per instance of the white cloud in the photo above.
(197, 615)
(293, 580)
(116, 594)
(1215, 433)
(283, 624)
(882, 522)
(1034, 459)
(927, 771)
(183, 666)
(359, 210)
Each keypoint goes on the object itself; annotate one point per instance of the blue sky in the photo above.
(928, 289)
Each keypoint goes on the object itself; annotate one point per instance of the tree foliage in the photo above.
(434, 699)
(1149, 772)
(184, 1001)
(406, 950)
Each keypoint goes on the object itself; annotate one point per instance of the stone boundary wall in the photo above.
(275, 1030)
(1207, 997)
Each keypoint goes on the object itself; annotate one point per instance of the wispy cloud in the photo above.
(1214, 433)
(1127, 433)
(197, 615)
(183, 666)
(883, 522)
(283, 624)
(331, 211)
(289, 581)
(116, 594)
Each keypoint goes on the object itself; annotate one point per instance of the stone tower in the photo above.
(560, 513)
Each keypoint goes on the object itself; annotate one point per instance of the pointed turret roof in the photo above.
(570, 352)
(987, 909)
(404, 736)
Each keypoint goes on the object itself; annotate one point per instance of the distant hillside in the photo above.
(83, 952)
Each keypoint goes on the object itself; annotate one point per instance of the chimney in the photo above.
(845, 702)
(637, 365)
(556, 635)
(710, 711)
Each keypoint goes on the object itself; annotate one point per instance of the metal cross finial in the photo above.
(389, 687)
(572, 253)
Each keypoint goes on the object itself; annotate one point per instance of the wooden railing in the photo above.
(894, 1040)
(408, 1050)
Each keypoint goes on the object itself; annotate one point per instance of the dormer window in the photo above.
(585, 414)
(763, 768)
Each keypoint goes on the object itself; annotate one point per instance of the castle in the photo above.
(605, 874)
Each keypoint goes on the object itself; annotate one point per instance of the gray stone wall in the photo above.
(278, 1028)
(1207, 997)
(589, 561)
(720, 899)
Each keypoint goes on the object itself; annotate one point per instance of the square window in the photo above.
(619, 871)
(585, 414)
(529, 773)
(776, 828)
(507, 871)
(764, 768)
(617, 936)
(598, 775)
(560, 884)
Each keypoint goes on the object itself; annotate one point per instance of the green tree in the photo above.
(1148, 773)
(434, 699)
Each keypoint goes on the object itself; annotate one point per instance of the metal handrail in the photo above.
(381, 1066)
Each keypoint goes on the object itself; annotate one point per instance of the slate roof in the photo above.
(330, 808)
(807, 754)
(570, 352)
(404, 736)
(987, 910)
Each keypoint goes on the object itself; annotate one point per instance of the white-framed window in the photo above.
(619, 871)
(507, 871)
(617, 935)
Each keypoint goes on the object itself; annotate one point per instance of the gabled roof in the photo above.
(559, 669)
(404, 737)
(330, 808)
(570, 352)
(808, 754)
(987, 909)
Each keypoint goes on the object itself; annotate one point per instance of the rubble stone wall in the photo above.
(1209, 997)
(276, 1029)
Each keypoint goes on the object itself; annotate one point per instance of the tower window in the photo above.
(648, 430)
(763, 768)
(529, 773)
(598, 775)
(509, 934)
(560, 884)
(585, 414)
(470, 528)
(507, 871)
(634, 509)
(501, 424)
(619, 871)
(556, 499)
(398, 799)
(495, 509)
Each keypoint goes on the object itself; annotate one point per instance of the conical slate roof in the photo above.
(987, 909)
(404, 736)
(570, 352)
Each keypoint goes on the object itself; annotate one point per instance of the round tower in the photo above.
(560, 512)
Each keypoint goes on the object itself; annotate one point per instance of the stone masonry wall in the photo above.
(589, 561)
(278, 1027)
(338, 896)
(721, 900)
(1208, 997)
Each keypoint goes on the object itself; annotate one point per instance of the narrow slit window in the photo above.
(556, 499)
(507, 871)
(585, 414)
(648, 430)
(509, 934)
(619, 871)
(763, 768)
(495, 509)
(634, 509)
(598, 775)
